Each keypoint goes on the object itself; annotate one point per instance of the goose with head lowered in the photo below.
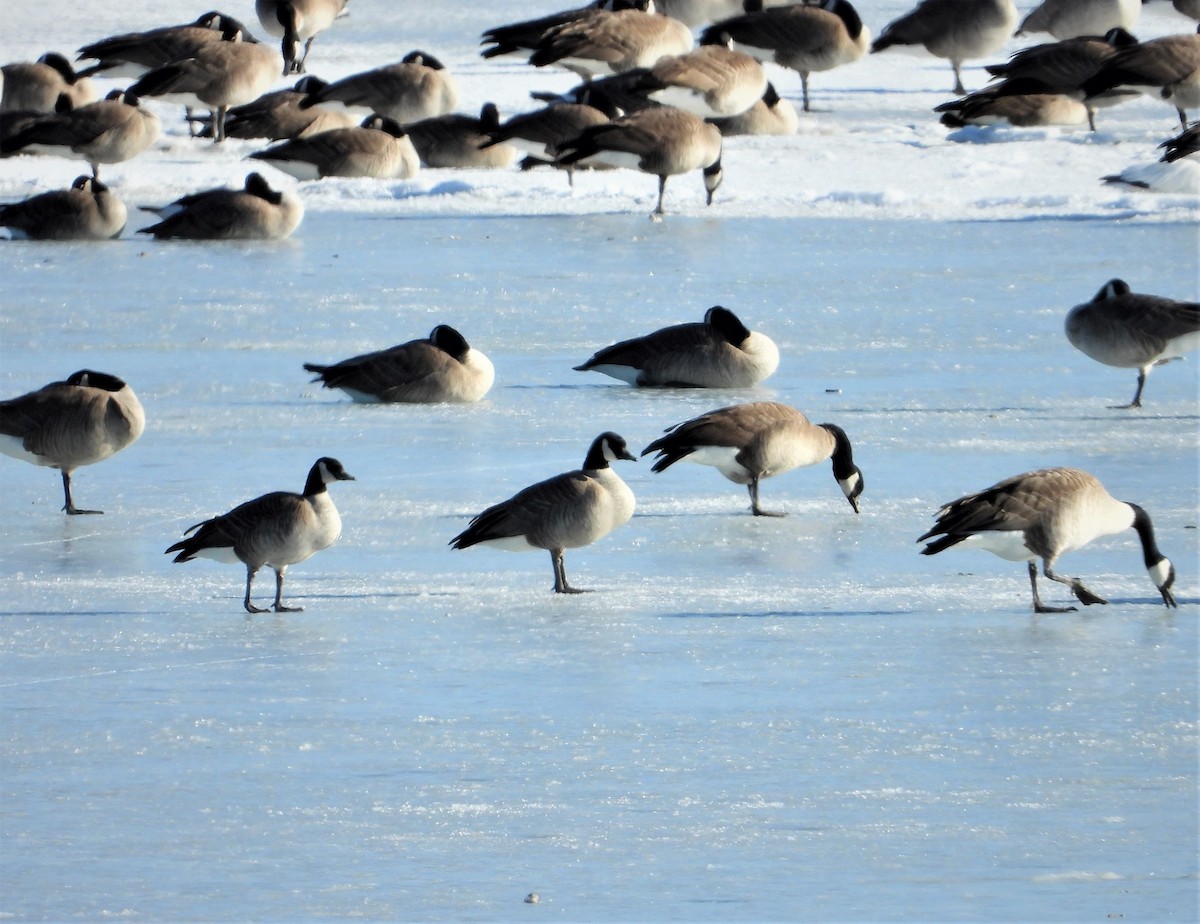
(442, 367)
(567, 511)
(296, 21)
(276, 530)
(718, 352)
(1042, 515)
(750, 442)
(80, 421)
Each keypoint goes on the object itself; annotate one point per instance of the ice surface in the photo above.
(749, 719)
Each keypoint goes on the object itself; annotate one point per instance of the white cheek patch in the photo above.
(849, 485)
(1160, 573)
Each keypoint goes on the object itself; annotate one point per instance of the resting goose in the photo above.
(80, 421)
(610, 42)
(256, 212)
(1042, 515)
(771, 115)
(378, 148)
(418, 87)
(276, 530)
(564, 512)
(749, 442)
(43, 85)
(88, 211)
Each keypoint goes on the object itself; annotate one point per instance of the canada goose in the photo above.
(1133, 331)
(1063, 67)
(804, 38)
(1066, 19)
(1181, 177)
(1022, 103)
(132, 54)
(749, 442)
(1045, 514)
(38, 86)
(297, 21)
(712, 81)
(771, 115)
(65, 425)
(564, 512)
(276, 530)
(1185, 144)
(461, 141)
(718, 352)
(1167, 67)
(278, 115)
(378, 148)
(418, 87)
(662, 142)
(87, 211)
(694, 13)
(219, 75)
(440, 368)
(542, 132)
(254, 213)
(957, 30)
(525, 36)
(107, 131)
(612, 42)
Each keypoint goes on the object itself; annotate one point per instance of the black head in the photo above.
(606, 448)
(848, 475)
(1114, 288)
(257, 186)
(331, 469)
(713, 175)
(1120, 38)
(89, 378)
(83, 182)
(1158, 566)
(450, 341)
(422, 57)
(771, 96)
(726, 323)
(59, 63)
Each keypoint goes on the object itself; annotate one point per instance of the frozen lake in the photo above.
(749, 718)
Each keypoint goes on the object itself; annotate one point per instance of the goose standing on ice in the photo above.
(1042, 515)
(276, 529)
(564, 512)
(296, 21)
(1133, 331)
(771, 115)
(612, 42)
(1167, 68)
(88, 211)
(749, 442)
(718, 352)
(65, 425)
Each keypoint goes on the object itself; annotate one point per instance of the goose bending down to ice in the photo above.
(750, 442)
(65, 425)
(276, 529)
(564, 512)
(296, 21)
(87, 211)
(1133, 331)
(1167, 68)
(1042, 515)
(718, 352)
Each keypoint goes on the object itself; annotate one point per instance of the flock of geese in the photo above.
(650, 101)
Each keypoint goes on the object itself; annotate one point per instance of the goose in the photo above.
(712, 81)
(108, 131)
(378, 148)
(718, 352)
(1167, 67)
(1185, 144)
(1133, 331)
(80, 421)
(1066, 19)
(611, 42)
(255, 212)
(38, 86)
(296, 21)
(957, 30)
(1043, 515)
(418, 87)
(438, 369)
(87, 211)
(1022, 103)
(1063, 67)
(461, 141)
(771, 115)
(133, 54)
(541, 133)
(525, 36)
(1181, 177)
(803, 37)
(662, 142)
(694, 13)
(749, 442)
(278, 115)
(567, 511)
(276, 529)
(219, 75)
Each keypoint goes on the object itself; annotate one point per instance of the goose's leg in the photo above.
(1038, 606)
(560, 574)
(278, 605)
(250, 607)
(754, 508)
(69, 506)
(1085, 596)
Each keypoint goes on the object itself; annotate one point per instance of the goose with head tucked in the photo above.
(718, 352)
(80, 421)
(43, 85)
(442, 367)
(378, 148)
(256, 212)
(417, 87)
(133, 54)
(771, 115)
(1042, 515)
(750, 442)
(460, 141)
(87, 211)
(279, 115)
(277, 530)
(525, 36)
(567, 511)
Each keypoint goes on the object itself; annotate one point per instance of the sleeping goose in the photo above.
(541, 133)
(564, 512)
(1022, 103)
(38, 86)
(417, 87)
(771, 115)
(611, 42)
(133, 54)
(440, 368)
(279, 115)
(1042, 515)
(378, 148)
(88, 211)
(718, 352)
(80, 421)
(749, 442)
(459, 141)
(296, 21)
(256, 212)
(1133, 331)
(276, 529)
